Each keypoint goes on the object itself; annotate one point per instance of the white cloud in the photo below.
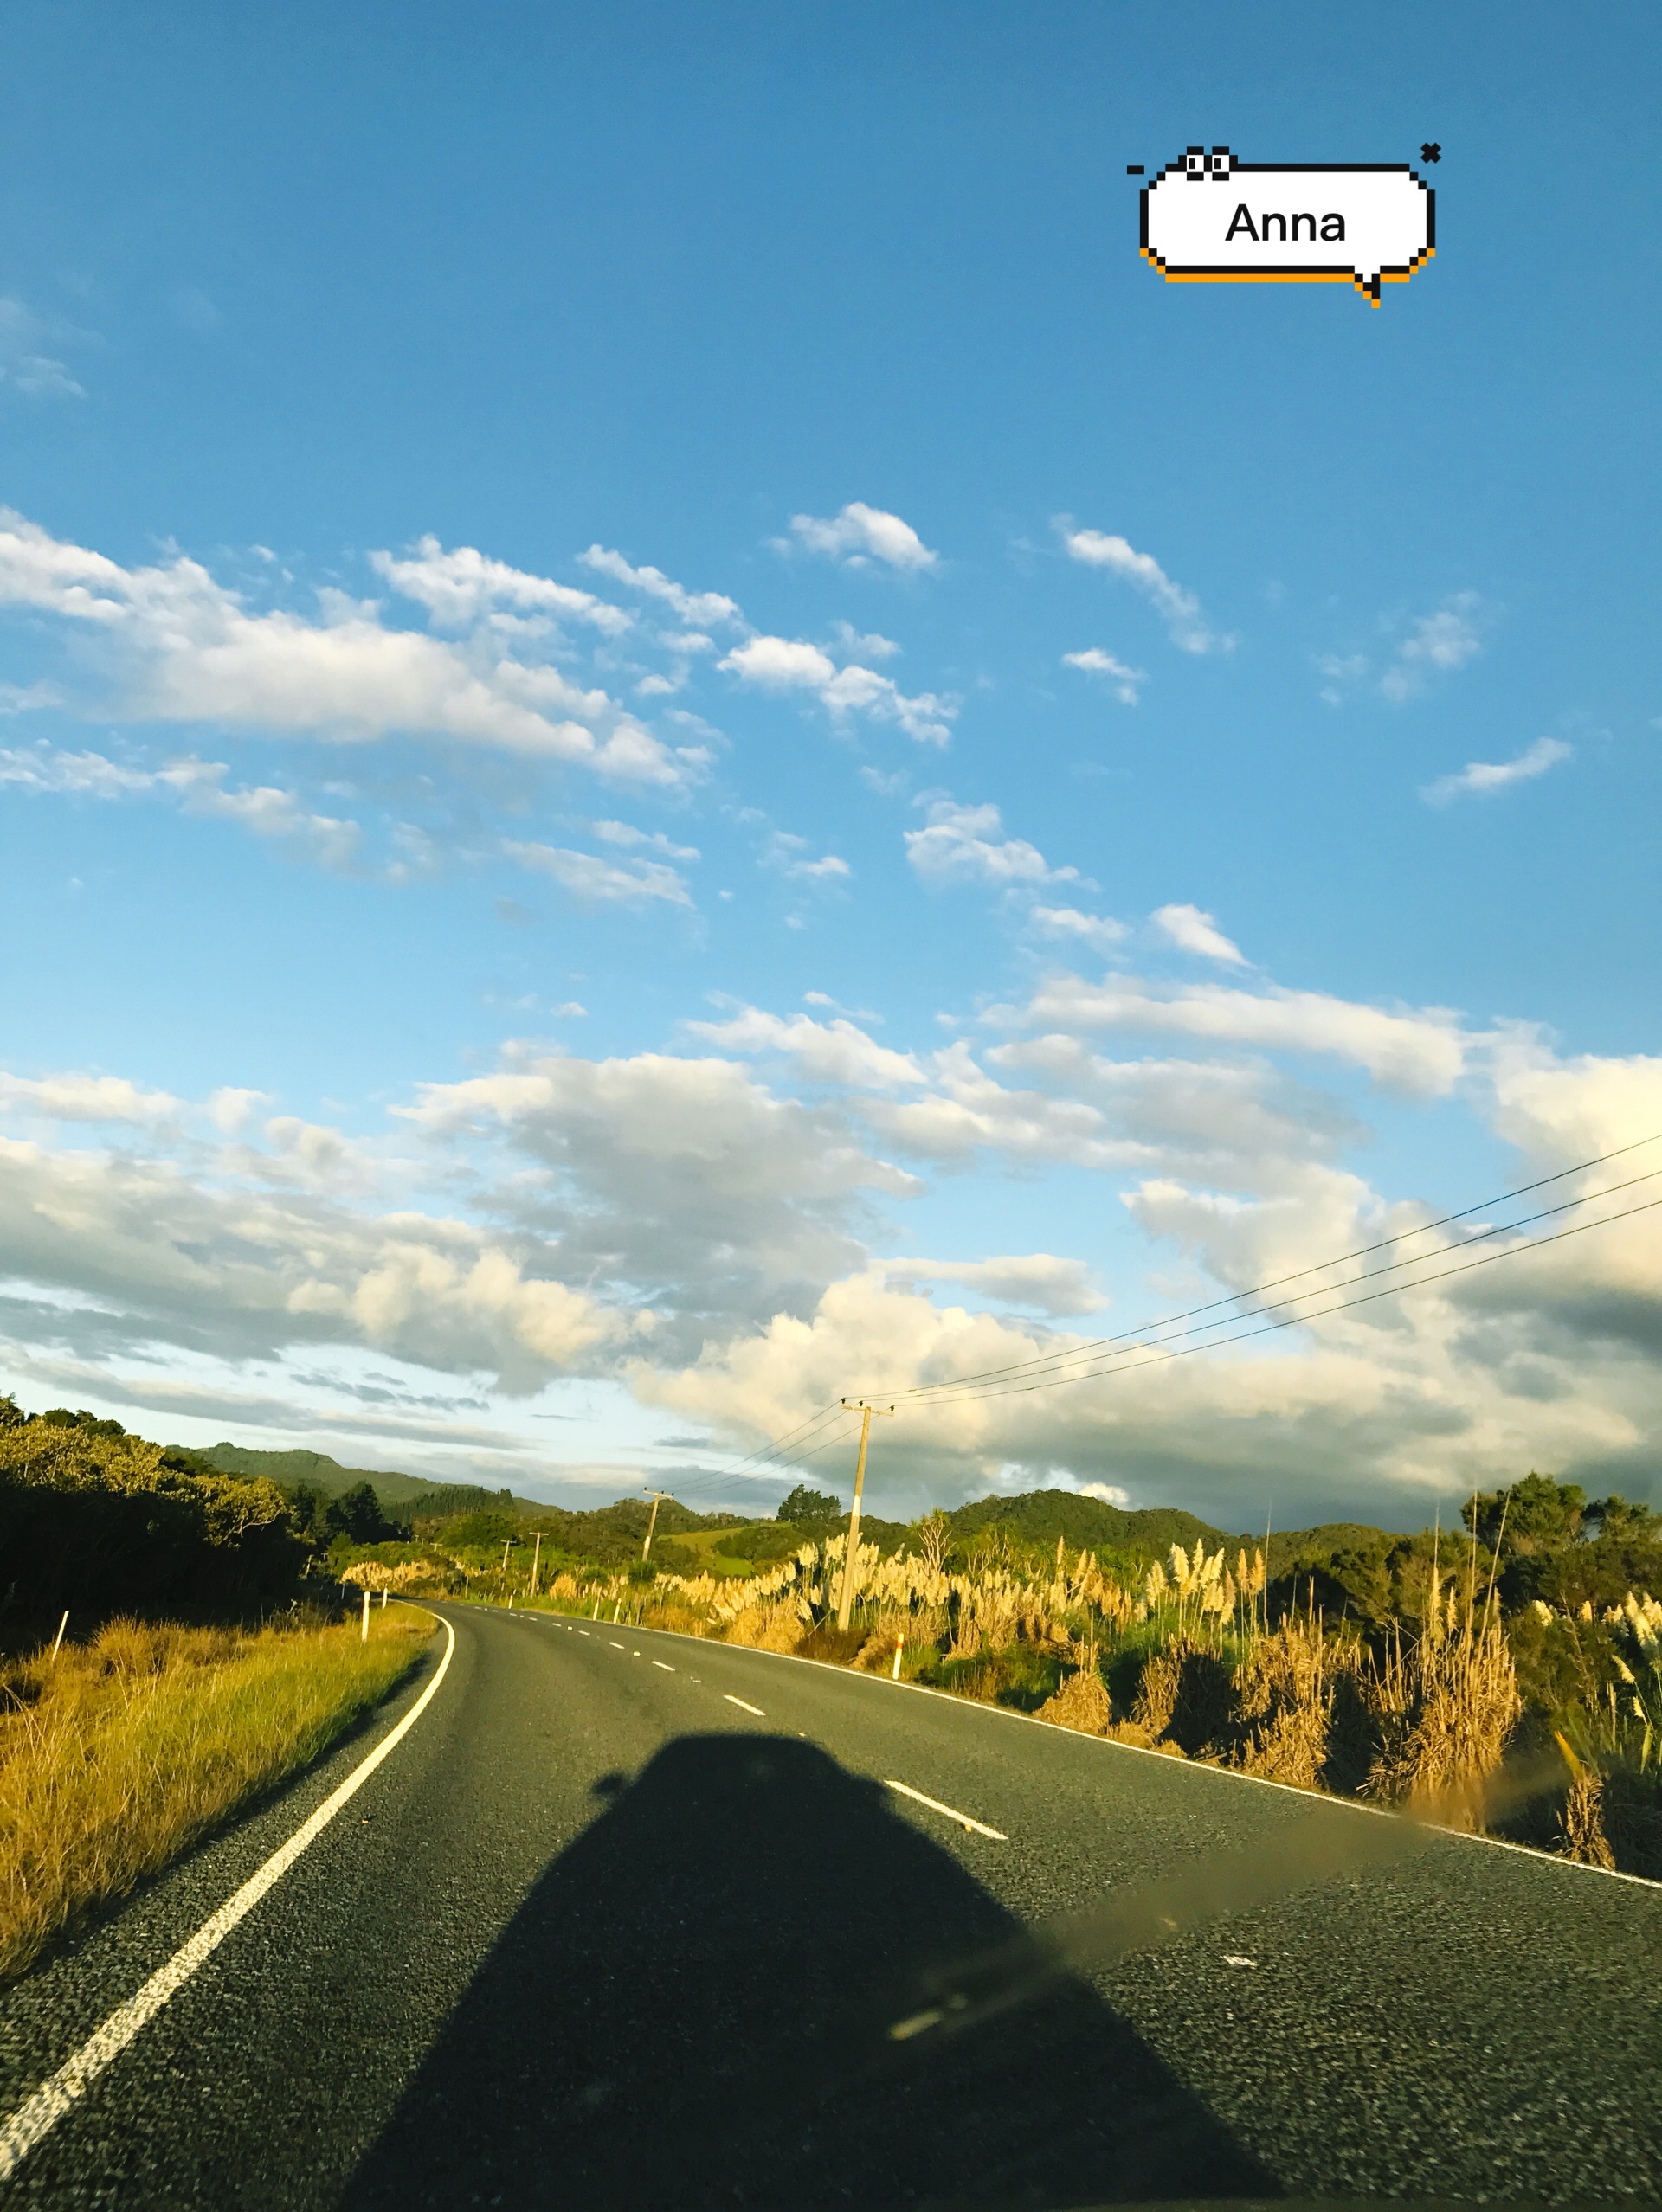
(1196, 932)
(1039, 1279)
(864, 644)
(1437, 644)
(968, 845)
(1483, 776)
(231, 1109)
(1179, 609)
(24, 363)
(626, 834)
(787, 854)
(836, 1051)
(86, 1098)
(702, 609)
(1095, 662)
(594, 881)
(183, 648)
(1100, 932)
(792, 663)
(857, 535)
(458, 587)
(199, 785)
(1421, 1052)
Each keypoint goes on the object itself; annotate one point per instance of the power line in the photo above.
(1292, 1320)
(925, 1392)
(1134, 1337)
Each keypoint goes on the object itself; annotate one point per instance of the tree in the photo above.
(357, 1515)
(806, 1508)
(1540, 1516)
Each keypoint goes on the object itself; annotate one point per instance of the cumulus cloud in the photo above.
(688, 1178)
(182, 647)
(1099, 931)
(594, 881)
(792, 663)
(74, 1097)
(265, 810)
(1436, 645)
(1197, 933)
(150, 1257)
(1180, 610)
(1423, 1051)
(458, 587)
(967, 845)
(1479, 778)
(788, 855)
(837, 1051)
(626, 834)
(859, 534)
(702, 610)
(1037, 1279)
(1095, 662)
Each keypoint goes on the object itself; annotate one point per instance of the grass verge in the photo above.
(119, 1753)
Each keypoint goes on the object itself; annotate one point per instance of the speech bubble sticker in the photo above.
(1210, 218)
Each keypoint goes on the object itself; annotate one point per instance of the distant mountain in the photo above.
(327, 1475)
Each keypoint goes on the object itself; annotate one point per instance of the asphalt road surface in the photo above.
(628, 1920)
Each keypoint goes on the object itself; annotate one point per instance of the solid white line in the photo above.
(757, 1709)
(37, 2117)
(951, 1811)
(663, 1664)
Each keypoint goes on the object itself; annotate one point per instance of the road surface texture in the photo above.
(629, 1921)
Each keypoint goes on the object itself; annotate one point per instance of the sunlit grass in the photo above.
(117, 1754)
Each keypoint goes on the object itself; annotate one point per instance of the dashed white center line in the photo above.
(668, 1669)
(951, 1811)
(615, 1646)
(757, 1709)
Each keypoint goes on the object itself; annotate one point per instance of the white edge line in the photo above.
(1548, 1859)
(35, 2118)
(951, 1811)
(757, 1709)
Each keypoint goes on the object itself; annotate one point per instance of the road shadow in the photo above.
(693, 2008)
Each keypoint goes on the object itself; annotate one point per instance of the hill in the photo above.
(1041, 1516)
(403, 1492)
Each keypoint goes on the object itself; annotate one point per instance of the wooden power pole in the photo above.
(846, 1602)
(657, 1497)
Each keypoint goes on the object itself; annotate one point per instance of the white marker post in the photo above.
(363, 1633)
(1210, 218)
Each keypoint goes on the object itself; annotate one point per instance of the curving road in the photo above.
(627, 1919)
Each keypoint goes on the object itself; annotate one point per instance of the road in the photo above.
(629, 1920)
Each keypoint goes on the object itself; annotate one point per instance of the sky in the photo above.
(676, 745)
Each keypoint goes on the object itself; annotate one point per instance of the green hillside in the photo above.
(1041, 1516)
(327, 1475)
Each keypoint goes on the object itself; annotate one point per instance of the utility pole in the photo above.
(536, 1560)
(657, 1497)
(846, 1602)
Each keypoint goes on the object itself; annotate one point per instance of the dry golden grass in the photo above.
(1283, 1705)
(1082, 1702)
(1446, 1708)
(119, 1753)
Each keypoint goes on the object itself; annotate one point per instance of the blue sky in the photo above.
(562, 884)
